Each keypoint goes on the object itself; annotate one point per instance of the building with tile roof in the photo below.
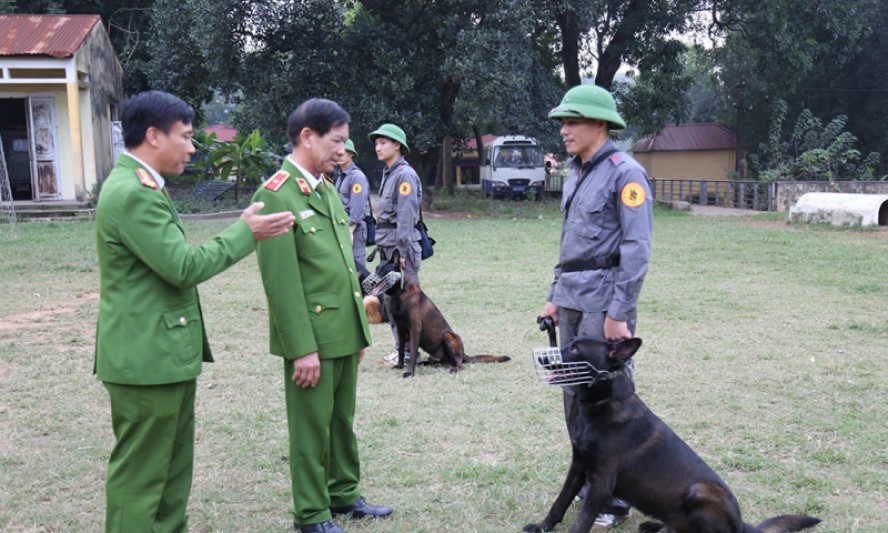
(61, 86)
(704, 151)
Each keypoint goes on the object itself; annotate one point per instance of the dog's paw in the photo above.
(400, 366)
(537, 528)
(408, 375)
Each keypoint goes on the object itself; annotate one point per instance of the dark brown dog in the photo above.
(419, 321)
(622, 448)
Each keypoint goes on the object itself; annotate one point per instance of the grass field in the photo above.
(765, 347)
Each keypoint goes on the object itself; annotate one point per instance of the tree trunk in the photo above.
(479, 142)
(610, 59)
(570, 47)
(447, 163)
(424, 164)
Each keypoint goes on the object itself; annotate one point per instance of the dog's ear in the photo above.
(396, 258)
(625, 349)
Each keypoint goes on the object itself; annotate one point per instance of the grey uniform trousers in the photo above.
(359, 247)
(573, 324)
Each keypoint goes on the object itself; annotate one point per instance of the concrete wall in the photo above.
(105, 94)
(789, 192)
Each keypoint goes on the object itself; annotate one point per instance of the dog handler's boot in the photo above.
(391, 359)
(615, 512)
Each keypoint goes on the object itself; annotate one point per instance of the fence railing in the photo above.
(756, 195)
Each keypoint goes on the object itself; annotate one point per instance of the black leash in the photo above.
(592, 166)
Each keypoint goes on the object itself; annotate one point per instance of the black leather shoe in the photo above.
(324, 527)
(360, 509)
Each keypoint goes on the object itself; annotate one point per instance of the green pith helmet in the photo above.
(350, 146)
(589, 101)
(394, 133)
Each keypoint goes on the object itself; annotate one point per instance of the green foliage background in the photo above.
(451, 68)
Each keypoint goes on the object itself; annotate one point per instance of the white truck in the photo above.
(513, 165)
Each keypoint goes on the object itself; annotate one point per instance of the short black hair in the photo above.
(152, 109)
(319, 115)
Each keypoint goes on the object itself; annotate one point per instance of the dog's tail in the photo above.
(784, 524)
(487, 358)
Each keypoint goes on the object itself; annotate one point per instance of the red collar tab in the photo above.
(303, 186)
(146, 179)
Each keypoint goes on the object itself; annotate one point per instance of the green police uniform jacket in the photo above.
(314, 299)
(150, 326)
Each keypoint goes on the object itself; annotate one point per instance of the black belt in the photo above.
(596, 263)
(386, 225)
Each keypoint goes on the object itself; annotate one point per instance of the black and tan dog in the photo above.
(622, 448)
(419, 321)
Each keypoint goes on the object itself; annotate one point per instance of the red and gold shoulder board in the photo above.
(277, 180)
(145, 178)
(303, 186)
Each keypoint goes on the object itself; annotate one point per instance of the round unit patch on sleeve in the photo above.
(633, 195)
(405, 189)
(356, 188)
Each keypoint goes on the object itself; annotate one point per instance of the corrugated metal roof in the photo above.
(685, 137)
(44, 35)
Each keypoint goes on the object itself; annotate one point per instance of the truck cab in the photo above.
(513, 165)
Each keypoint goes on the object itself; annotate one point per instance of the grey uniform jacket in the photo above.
(611, 213)
(400, 196)
(354, 191)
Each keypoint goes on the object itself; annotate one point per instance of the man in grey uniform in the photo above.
(400, 195)
(354, 191)
(606, 236)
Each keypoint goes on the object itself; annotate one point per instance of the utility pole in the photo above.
(740, 106)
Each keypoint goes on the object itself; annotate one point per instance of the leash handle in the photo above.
(548, 325)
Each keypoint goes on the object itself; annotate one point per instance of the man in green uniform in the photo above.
(317, 320)
(151, 340)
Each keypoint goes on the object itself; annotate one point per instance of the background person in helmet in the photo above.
(606, 236)
(354, 191)
(400, 194)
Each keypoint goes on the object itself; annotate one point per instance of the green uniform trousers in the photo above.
(324, 467)
(150, 469)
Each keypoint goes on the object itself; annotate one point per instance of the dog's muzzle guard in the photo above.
(551, 369)
(376, 285)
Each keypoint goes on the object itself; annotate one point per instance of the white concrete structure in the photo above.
(841, 209)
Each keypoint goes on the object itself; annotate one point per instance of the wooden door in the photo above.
(42, 131)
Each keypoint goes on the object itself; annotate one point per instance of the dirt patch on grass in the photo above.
(41, 317)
